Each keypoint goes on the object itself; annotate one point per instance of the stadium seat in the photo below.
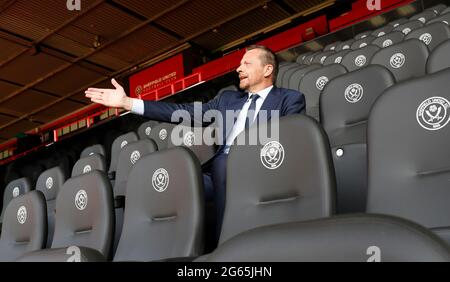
(164, 208)
(296, 77)
(443, 18)
(353, 238)
(336, 58)
(84, 220)
(389, 39)
(118, 144)
(87, 164)
(331, 46)
(308, 59)
(128, 157)
(94, 149)
(359, 58)
(283, 69)
(439, 59)
(24, 226)
(161, 134)
(344, 45)
(362, 42)
(408, 152)
(145, 128)
(282, 179)
(437, 9)
(432, 35)
(301, 58)
(446, 11)
(193, 139)
(231, 87)
(405, 60)
(409, 26)
(363, 35)
(312, 84)
(382, 31)
(424, 16)
(321, 57)
(49, 183)
(344, 109)
(13, 189)
(398, 22)
(288, 73)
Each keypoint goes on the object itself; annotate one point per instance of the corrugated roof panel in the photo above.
(7, 88)
(73, 77)
(200, 14)
(8, 49)
(148, 8)
(28, 68)
(304, 4)
(143, 43)
(58, 110)
(26, 102)
(242, 26)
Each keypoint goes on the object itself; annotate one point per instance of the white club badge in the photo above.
(135, 156)
(148, 130)
(49, 183)
(387, 43)
(360, 60)
(397, 60)
(16, 192)
(272, 155)
(22, 215)
(81, 200)
(123, 144)
(87, 169)
(163, 134)
(426, 38)
(160, 180)
(189, 139)
(433, 113)
(338, 60)
(321, 82)
(354, 93)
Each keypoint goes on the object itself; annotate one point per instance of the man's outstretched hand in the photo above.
(115, 98)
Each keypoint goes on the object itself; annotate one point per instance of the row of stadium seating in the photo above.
(379, 149)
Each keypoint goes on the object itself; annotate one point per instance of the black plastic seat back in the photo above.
(344, 110)
(314, 82)
(118, 144)
(196, 139)
(296, 77)
(50, 183)
(424, 16)
(363, 42)
(288, 73)
(359, 58)
(439, 59)
(441, 19)
(14, 189)
(88, 164)
(284, 69)
(164, 208)
(301, 58)
(382, 31)
(145, 128)
(363, 35)
(398, 22)
(94, 149)
(336, 58)
(356, 238)
(409, 26)
(161, 134)
(408, 134)
(432, 35)
(84, 213)
(24, 226)
(321, 57)
(284, 179)
(406, 60)
(389, 39)
(437, 9)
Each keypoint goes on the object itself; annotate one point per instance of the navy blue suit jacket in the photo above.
(286, 101)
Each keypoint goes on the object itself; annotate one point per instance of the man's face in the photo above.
(251, 71)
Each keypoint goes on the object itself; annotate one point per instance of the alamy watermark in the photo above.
(73, 5)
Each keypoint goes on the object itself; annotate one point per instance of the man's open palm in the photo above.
(109, 97)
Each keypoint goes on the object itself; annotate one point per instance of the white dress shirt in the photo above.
(138, 108)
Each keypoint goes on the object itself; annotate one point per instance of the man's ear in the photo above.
(268, 70)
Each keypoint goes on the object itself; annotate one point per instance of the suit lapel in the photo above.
(270, 103)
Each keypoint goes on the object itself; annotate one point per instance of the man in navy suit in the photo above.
(257, 74)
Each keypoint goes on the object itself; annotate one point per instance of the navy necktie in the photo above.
(251, 111)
